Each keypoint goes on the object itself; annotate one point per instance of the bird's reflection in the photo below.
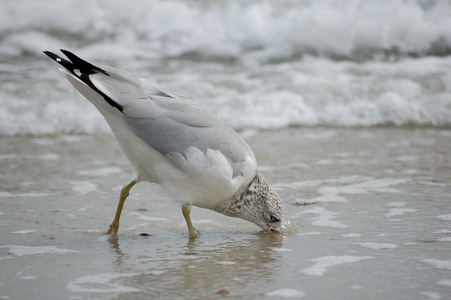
(200, 267)
(114, 245)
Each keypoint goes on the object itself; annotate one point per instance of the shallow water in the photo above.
(369, 211)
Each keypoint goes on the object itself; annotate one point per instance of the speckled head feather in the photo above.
(259, 203)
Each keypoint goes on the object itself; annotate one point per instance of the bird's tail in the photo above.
(81, 70)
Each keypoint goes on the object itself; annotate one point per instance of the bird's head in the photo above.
(259, 203)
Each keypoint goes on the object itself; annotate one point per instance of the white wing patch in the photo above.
(210, 172)
(212, 164)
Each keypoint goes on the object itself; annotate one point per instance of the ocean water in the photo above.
(315, 63)
(346, 104)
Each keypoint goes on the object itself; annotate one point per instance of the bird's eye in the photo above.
(273, 219)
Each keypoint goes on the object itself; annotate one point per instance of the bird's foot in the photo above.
(112, 231)
(193, 233)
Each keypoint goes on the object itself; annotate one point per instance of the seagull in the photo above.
(194, 155)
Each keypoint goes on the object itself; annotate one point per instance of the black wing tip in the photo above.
(85, 68)
(82, 64)
(74, 62)
(51, 54)
(63, 62)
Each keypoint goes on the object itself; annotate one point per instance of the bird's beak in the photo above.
(274, 230)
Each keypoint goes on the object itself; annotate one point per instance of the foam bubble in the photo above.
(280, 249)
(356, 287)
(83, 187)
(439, 264)
(309, 233)
(324, 218)
(377, 246)
(226, 262)
(446, 217)
(351, 235)
(24, 231)
(431, 295)
(444, 282)
(399, 212)
(154, 219)
(23, 195)
(29, 250)
(286, 293)
(322, 264)
(331, 193)
(49, 156)
(397, 204)
(443, 231)
(101, 283)
(101, 172)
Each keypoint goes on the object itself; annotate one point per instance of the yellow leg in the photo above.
(192, 233)
(124, 194)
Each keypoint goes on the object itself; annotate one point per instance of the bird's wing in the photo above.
(168, 123)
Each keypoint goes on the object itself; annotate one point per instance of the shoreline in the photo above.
(378, 203)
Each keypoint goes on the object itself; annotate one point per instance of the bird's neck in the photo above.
(234, 206)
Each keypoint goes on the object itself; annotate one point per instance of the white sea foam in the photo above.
(446, 217)
(356, 287)
(445, 282)
(439, 264)
(226, 262)
(309, 233)
(385, 234)
(333, 193)
(431, 295)
(254, 30)
(35, 250)
(443, 231)
(257, 58)
(324, 217)
(351, 235)
(286, 293)
(101, 172)
(24, 231)
(83, 187)
(377, 246)
(397, 204)
(399, 212)
(101, 283)
(280, 249)
(49, 156)
(155, 219)
(322, 264)
(133, 227)
(23, 195)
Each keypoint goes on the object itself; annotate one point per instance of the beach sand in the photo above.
(369, 208)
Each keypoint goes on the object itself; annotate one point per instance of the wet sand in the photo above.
(370, 217)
